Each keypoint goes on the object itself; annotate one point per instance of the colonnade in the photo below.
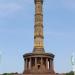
(37, 62)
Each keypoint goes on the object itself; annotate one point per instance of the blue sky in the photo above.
(17, 28)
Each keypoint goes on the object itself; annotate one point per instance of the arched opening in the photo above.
(38, 67)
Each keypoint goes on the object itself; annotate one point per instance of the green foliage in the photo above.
(7, 74)
(70, 73)
(4, 73)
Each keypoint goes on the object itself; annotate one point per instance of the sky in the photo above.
(17, 33)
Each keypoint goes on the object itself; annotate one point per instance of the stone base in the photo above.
(41, 74)
(35, 74)
(38, 74)
(42, 70)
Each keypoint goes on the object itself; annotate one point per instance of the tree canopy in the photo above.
(70, 73)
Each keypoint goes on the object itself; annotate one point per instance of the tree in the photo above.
(70, 73)
(7, 74)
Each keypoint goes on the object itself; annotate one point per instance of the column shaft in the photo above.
(36, 62)
(25, 64)
(49, 63)
(41, 61)
(38, 27)
(46, 63)
(52, 67)
(30, 63)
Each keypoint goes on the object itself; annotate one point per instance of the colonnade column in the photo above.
(52, 67)
(49, 63)
(30, 63)
(46, 63)
(41, 61)
(36, 62)
(25, 64)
